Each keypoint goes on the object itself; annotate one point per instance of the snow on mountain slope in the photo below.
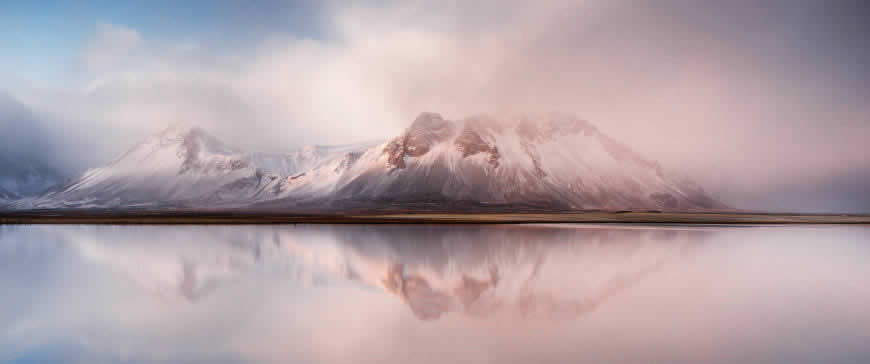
(181, 166)
(302, 159)
(555, 161)
(176, 164)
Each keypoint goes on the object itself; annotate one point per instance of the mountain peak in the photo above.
(191, 140)
(427, 130)
(179, 129)
(426, 119)
(183, 131)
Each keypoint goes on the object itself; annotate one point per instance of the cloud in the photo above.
(29, 162)
(111, 47)
(741, 96)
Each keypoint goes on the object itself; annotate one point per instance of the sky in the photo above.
(762, 102)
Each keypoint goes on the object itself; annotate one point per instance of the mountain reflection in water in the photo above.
(476, 270)
(222, 293)
(548, 272)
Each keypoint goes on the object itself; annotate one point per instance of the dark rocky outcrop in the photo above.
(427, 130)
(470, 142)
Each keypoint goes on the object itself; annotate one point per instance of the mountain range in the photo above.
(554, 162)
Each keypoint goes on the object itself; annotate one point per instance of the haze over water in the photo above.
(434, 293)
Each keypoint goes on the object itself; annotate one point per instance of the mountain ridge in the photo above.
(553, 161)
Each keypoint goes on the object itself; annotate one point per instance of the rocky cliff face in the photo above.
(471, 140)
(427, 130)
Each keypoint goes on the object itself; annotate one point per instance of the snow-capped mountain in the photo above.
(554, 161)
(181, 167)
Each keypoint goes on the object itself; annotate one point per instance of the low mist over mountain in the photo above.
(28, 165)
(554, 161)
(6, 195)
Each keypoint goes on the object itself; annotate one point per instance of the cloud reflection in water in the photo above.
(416, 293)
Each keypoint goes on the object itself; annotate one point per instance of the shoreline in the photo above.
(248, 218)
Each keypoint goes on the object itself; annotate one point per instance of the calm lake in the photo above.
(435, 294)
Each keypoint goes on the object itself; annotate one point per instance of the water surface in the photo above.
(434, 294)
